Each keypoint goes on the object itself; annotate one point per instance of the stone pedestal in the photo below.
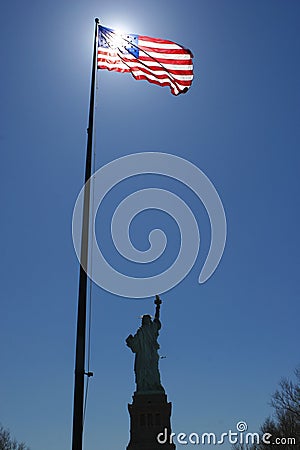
(150, 415)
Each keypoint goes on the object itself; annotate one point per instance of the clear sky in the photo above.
(228, 342)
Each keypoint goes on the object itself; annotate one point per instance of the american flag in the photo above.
(159, 61)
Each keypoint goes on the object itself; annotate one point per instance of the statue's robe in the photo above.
(144, 344)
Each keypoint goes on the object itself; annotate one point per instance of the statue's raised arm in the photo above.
(157, 302)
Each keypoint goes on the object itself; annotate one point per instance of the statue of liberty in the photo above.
(145, 346)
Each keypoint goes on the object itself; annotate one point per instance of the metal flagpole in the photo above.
(82, 292)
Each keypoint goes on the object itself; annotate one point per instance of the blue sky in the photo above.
(228, 342)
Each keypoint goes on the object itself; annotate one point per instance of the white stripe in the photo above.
(169, 66)
(159, 56)
(171, 46)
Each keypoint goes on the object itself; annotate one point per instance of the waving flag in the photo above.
(159, 61)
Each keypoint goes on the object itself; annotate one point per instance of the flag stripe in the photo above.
(166, 50)
(164, 55)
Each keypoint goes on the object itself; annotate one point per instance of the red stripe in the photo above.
(175, 51)
(159, 41)
(177, 62)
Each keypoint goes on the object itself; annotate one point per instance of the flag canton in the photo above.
(124, 43)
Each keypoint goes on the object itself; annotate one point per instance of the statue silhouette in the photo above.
(145, 346)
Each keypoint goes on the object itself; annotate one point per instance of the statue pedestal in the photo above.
(150, 414)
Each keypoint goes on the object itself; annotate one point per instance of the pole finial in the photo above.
(97, 20)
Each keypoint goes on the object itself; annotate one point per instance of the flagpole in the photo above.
(78, 406)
